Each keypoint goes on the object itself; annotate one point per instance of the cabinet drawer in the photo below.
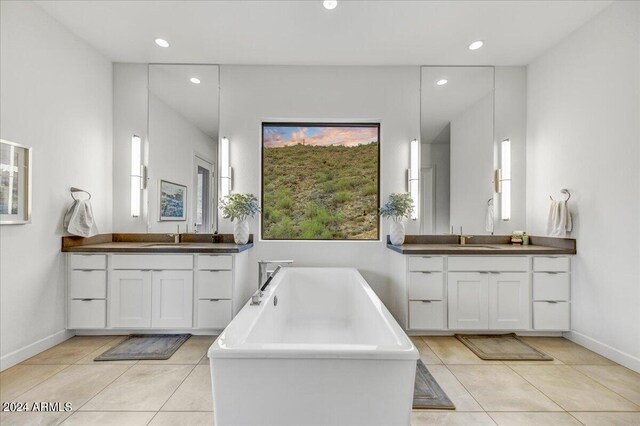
(215, 285)
(488, 263)
(215, 262)
(87, 284)
(551, 286)
(551, 316)
(426, 315)
(551, 264)
(152, 261)
(214, 313)
(426, 263)
(88, 261)
(87, 314)
(425, 285)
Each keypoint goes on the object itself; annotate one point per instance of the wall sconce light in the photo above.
(138, 175)
(413, 177)
(504, 179)
(226, 172)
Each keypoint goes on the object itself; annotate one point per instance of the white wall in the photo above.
(55, 96)
(173, 143)
(583, 117)
(511, 123)
(129, 118)
(472, 166)
(438, 155)
(252, 94)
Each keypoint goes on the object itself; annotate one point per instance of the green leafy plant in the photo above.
(239, 206)
(399, 206)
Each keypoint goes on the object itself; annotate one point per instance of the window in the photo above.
(320, 181)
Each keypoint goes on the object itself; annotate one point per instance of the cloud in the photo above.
(320, 136)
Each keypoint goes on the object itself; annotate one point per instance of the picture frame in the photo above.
(15, 183)
(172, 201)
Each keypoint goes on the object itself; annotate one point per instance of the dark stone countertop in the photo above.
(483, 245)
(154, 243)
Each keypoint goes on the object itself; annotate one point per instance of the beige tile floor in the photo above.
(578, 388)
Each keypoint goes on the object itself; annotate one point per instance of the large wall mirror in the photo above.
(182, 151)
(457, 135)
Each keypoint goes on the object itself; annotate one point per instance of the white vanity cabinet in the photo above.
(551, 293)
(426, 292)
(481, 292)
(468, 300)
(87, 291)
(155, 291)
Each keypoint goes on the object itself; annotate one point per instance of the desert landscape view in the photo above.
(320, 182)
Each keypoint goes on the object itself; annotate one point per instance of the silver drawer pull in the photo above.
(426, 301)
(552, 301)
(213, 300)
(86, 300)
(426, 272)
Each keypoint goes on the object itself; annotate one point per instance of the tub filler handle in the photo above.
(262, 272)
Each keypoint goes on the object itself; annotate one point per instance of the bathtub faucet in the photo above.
(262, 272)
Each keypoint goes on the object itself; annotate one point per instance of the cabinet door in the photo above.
(172, 299)
(468, 300)
(509, 301)
(130, 301)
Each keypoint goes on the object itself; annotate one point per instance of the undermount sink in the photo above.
(173, 245)
(473, 247)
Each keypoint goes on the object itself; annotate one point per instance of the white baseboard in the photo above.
(452, 332)
(605, 350)
(17, 356)
(126, 331)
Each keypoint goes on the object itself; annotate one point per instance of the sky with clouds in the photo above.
(281, 136)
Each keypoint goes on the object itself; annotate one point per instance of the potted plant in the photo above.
(399, 207)
(239, 207)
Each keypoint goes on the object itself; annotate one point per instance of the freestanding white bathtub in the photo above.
(328, 353)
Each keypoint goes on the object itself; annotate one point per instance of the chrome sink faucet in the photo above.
(262, 272)
(463, 238)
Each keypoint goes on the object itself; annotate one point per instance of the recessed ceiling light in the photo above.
(442, 82)
(330, 4)
(476, 45)
(194, 80)
(162, 42)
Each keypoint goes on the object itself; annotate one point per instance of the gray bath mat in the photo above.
(427, 393)
(503, 347)
(145, 346)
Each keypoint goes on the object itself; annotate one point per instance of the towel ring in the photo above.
(74, 190)
(490, 201)
(565, 192)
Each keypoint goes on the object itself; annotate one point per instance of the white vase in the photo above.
(241, 232)
(396, 233)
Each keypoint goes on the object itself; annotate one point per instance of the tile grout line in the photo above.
(41, 382)
(178, 387)
(538, 389)
(97, 393)
(23, 363)
(458, 380)
(602, 384)
(445, 365)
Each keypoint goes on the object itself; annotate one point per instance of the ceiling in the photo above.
(304, 33)
(197, 103)
(441, 104)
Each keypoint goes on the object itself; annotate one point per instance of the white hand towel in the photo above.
(559, 221)
(79, 219)
(488, 221)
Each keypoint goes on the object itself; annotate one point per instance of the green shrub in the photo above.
(343, 196)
